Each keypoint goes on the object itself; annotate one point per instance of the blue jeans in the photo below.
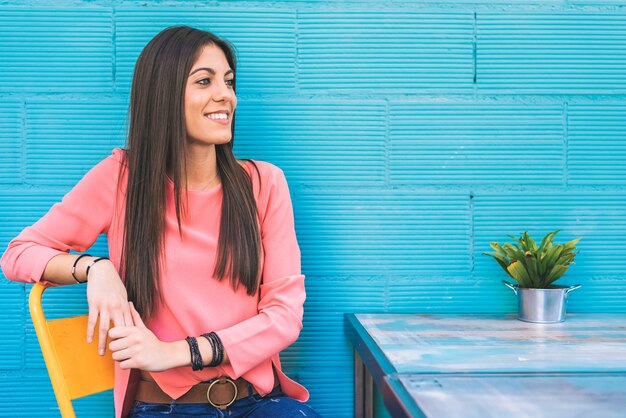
(273, 405)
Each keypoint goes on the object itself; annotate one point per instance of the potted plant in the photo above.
(535, 268)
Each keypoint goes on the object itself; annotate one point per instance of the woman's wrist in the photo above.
(178, 353)
(181, 355)
(86, 266)
(92, 263)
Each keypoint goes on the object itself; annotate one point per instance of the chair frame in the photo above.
(68, 378)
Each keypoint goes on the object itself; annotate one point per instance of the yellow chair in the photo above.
(75, 367)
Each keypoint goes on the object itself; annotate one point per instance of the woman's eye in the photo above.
(202, 82)
(230, 82)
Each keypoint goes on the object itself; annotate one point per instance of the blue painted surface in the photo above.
(412, 134)
(492, 365)
(522, 396)
(555, 52)
(475, 143)
(52, 49)
(385, 49)
(495, 343)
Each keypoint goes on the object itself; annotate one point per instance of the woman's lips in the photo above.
(220, 121)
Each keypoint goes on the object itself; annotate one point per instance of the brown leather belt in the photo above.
(220, 393)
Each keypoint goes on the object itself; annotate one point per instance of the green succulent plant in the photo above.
(532, 266)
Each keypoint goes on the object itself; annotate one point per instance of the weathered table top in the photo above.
(470, 366)
(531, 396)
(492, 344)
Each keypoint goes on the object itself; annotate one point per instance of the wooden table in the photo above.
(489, 365)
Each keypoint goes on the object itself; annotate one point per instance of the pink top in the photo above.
(253, 329)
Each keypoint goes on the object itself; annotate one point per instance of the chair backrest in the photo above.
(75, 367)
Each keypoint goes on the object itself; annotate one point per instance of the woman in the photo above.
(209, 288)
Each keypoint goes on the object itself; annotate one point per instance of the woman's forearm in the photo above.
(59, 268)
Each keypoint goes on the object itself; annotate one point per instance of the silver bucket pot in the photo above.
(543, 306)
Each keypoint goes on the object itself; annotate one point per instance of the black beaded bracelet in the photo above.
(213, 350)
(209, 338)
(199, 361)
(74, 267)
(218, 348)
(94, 262)
(196, 357)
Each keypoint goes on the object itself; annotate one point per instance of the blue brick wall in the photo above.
(412, 134)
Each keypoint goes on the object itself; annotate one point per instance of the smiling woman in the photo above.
(203, 284)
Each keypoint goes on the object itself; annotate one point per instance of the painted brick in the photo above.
(10, 141)
(462, 295)
(21, 208)
(324, 322)
(596, 145)
(572, 52)
(382, 49)
(12, 314)
(67, 138)
(316, 142)
(476, 143)
(383, 233)
(335, 386)
(56, 49)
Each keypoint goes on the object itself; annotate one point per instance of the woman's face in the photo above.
(210, 99)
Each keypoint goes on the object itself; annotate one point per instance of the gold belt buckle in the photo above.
(221, 380)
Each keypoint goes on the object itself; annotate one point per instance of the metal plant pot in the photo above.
(543, 306)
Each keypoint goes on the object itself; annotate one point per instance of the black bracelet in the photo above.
(94, 262)
(74, 267)
(192, 353)
(213, 350)
(218, 348)
(209, 338)
(196, 357)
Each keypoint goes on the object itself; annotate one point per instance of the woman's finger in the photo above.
(104, 328)
(91, 323)
(128, 318)
(117, 345)
(136, 317)
(127, 364)
(116, 333)
(118, 319)
(121, 355)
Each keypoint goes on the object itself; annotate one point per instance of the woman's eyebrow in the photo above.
(209, 70)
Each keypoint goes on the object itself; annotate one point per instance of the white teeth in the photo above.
(218, 116)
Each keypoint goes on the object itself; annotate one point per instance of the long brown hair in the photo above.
(156, 145)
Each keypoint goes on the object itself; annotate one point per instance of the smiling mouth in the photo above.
(217, 116)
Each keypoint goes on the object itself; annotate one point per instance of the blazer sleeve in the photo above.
(75, 223)
(279, 320)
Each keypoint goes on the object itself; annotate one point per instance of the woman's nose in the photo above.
(222, 92)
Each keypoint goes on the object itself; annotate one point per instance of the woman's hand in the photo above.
(136, 347)
(107, 299)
